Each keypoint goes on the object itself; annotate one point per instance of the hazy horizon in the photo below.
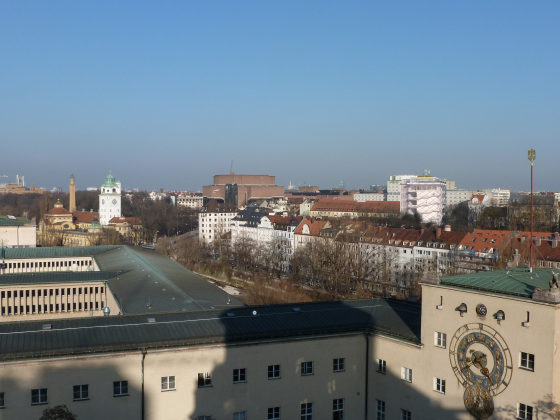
(167, 94)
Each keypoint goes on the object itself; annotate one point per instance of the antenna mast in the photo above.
(531, 157)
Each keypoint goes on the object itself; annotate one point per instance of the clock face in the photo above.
(480, 358)
(114, 201)
(103, 201)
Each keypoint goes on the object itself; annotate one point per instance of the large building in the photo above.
(17, 232)
(480, 346)
(240, 190)
(109, 200)
(425, 196)
(214, 221)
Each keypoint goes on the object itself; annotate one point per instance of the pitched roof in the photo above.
(397, 319)
(517, 281)
(356, 207)
(479, 197)
(85, 216)
(314, 225)
(481, 239)
(122, 219)
(213, 206)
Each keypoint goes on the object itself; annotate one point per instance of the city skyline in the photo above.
(167, 94)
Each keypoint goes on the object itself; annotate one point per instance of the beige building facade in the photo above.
(480, 346)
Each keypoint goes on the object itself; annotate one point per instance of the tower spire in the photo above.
(231, 169)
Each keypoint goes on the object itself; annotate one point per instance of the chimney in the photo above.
(447, 228)
(555, 243)
(557, 236)
(438, 232)
(538, 241)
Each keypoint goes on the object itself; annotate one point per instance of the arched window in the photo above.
(114, 190)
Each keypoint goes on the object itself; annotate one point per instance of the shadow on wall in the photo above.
(107, 389)
(303, 377)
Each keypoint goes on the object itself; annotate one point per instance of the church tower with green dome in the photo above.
(109, 200)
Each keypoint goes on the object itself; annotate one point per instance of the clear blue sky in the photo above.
(166, 94)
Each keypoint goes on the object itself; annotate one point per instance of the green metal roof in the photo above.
(13, 221)
(110, 181)
(57, 251)
(142, 281)
(54, 277)
(517, 281)
(398, 319)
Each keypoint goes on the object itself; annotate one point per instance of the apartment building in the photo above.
(214, 220)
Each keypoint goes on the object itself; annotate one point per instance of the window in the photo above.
(406, 415)
(440, 339)
(527, 361)
(274, 413)
(204, 418)
(381, 366)
(120, 388)
(239, 375)
(242, 415)
(439, 385)
(274, 372)
(380, 410)
(338, 365)
(338, 409)
(39, 396)
(204, 379)
(525, 412)
(3, 405)
(307, 411)
(81, 392)
(306, 368)
(167, 383)
(406, 374)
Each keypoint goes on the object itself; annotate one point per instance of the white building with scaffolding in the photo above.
(425, 195)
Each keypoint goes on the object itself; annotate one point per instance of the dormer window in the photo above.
(473, 239)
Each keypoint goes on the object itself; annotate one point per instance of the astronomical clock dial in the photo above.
(114, 201)
(482, 362)
(103, 201)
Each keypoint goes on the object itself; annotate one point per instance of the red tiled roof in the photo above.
(480, 239)
(122, 219)
(314, 225)
(85, 216)
(479, 197)
(356, 207)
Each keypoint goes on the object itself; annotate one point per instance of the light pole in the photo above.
(531, 156)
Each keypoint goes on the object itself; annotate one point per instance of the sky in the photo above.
(167, 94)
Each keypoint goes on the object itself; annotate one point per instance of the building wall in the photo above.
(245, 179)
(17, 379)
(48, 301)
(525, 386)
(40, 265)
(18, 236)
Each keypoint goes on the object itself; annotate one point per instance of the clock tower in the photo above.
(109, 200)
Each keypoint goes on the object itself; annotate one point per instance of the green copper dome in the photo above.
(110, 181)
(95, 224)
